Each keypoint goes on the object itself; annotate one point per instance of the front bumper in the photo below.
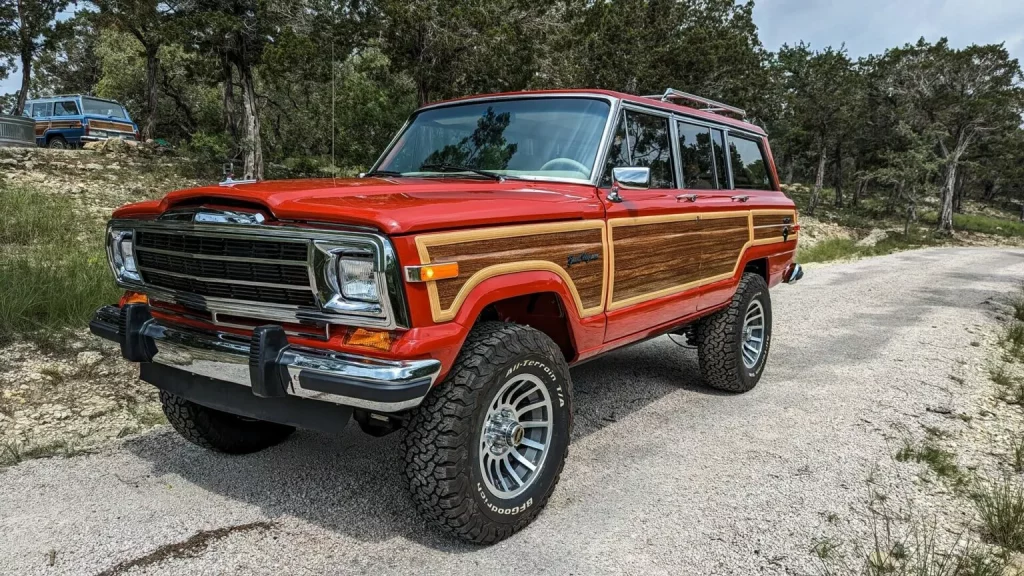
(267, 364)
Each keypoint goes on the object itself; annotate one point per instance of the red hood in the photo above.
(397, 205)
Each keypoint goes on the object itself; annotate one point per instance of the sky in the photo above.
(869, 26)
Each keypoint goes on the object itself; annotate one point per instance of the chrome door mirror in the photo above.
(629, 178)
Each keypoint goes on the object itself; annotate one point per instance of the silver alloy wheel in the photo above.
(515, 436)
(753, 334)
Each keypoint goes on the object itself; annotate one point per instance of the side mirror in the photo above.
(630, 178)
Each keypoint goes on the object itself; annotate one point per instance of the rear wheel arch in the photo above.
(757, 266)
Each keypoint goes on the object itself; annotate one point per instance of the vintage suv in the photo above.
(72, 120)
(499, 240)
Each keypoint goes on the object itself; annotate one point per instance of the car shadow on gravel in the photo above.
(353, 484)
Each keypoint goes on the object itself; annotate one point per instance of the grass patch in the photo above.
(1012, 341)
(1000, 506)
(13, 452)
(980, 223)
(1017, 456)
(845, 248)
(939, 460)
(53, 268)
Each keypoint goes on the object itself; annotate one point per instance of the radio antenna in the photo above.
(334, 165)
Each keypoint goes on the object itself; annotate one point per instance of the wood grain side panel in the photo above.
(662, 257)
(780, 219)
(475, 256)
(768, 226)
(768, 232)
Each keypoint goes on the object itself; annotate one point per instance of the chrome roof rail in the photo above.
(708, 104)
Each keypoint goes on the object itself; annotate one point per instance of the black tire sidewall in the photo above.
(557, 384)
(55, 139)
(755, 291)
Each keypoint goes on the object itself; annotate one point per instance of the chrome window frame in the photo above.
(595, 173)
(390, 313)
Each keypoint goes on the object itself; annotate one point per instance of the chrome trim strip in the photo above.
(226, 357)
(296, 263)
(300, 287)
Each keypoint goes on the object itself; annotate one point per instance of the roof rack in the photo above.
(709, 105)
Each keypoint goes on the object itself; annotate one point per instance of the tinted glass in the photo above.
(553, 137)
(42, 109)
(649, 146)
(67, 108)
(618, 152)
(103, 108)
(718, 137)
(749, 169)
(695, 154)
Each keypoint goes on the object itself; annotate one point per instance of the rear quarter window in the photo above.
(749, 164)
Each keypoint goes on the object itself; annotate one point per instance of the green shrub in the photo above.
(980, 223)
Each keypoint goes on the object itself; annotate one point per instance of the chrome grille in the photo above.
(221, 246)
(271, 271)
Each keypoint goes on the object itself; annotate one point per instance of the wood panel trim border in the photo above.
(426, 241)
(641, 220)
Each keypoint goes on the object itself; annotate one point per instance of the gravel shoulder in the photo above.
(664, 475)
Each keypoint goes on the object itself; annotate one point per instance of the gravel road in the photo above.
(664, 476)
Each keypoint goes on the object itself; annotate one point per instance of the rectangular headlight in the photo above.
(358, 282)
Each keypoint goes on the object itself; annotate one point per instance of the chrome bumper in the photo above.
(792, 274)
(346, 379)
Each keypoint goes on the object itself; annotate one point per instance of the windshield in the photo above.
(103, 108)
(529, 137)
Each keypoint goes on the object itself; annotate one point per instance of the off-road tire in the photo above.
(719, 339)
(57, 143)
(442, 439)
(220, 431)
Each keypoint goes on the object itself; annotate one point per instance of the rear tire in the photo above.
(730, 355)
(220, 431)
(509, 391)
(57, 143)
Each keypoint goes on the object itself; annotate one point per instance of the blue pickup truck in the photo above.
(72, 120)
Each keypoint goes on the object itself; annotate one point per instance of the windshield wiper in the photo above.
(384, 173)
(456, 168)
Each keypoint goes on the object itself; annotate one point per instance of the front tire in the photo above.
(733, 344)
(57, 143)
(220, 431)
(484, 451)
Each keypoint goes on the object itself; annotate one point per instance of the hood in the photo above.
(394, 205)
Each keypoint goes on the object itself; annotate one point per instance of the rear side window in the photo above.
(42, 109)
(696, 156)
(68, 108)
(749, 167)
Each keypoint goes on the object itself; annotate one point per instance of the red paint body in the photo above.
(407, 206)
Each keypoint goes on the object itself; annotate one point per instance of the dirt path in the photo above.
(664, 476)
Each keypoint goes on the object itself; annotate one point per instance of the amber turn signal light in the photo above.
(134, 298)
(430, 272)
(368, 339)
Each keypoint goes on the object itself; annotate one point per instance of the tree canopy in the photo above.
(320, 86)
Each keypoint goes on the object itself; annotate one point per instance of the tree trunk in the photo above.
(958, 195)
(228, 77)
(838, 179)
(789, 170)
(27, 45)
(152, 92)
(422, 93)
(818, 182)
(855, 201)
(946, 203)
(252, 150)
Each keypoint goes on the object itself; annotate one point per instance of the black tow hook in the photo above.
(268, 376)
(135, 345)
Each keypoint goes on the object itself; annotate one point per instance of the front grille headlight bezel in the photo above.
(327, 248)
(121, 255)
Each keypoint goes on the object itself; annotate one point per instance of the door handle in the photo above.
(686, 197)
(740, 198)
